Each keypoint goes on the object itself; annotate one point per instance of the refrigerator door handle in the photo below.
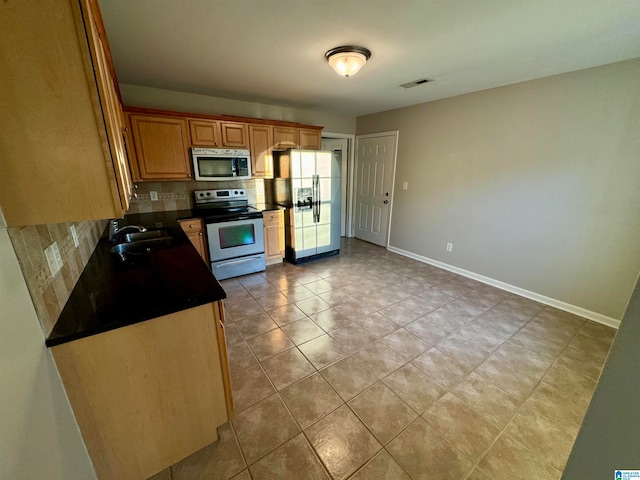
(315, 198)
(313, 193)
(318, 199)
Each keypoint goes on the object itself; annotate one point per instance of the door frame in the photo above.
(350, 173)
(395, 133)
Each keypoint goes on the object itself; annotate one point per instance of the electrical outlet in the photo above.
(154, 195)
(405, 185)
(54, 260)
(449, 247)
(74, 235)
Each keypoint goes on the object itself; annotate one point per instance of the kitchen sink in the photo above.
(141, 246)
(135, 250)
(152, 234)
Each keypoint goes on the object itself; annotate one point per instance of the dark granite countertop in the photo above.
(269, 206)
(111, 294)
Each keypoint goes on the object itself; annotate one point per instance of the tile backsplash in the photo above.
(179, 195)
(50, 293)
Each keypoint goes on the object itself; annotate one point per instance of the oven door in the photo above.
(236, 238)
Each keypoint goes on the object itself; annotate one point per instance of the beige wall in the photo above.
(147, 97)
(39, 437)
(535, 184)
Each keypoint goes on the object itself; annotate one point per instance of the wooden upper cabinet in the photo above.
(218, 134)
(110, 100)
(204, 133)
(62, 150)
(310, 139)
(285, 137)
(234, 135)
(161, 145)
(261, 140)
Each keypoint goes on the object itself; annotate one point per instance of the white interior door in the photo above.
(340, 148)
(376, 156)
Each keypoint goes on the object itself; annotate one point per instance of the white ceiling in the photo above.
(272, 51)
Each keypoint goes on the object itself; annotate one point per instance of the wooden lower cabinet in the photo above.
(273, 236)
(149, 394)
(194, 228)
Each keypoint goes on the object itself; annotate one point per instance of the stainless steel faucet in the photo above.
(115, 231)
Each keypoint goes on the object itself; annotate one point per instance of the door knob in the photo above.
(385, 202)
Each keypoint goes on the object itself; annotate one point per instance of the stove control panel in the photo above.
(210, 196)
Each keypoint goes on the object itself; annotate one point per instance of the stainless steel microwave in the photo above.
(212, 164)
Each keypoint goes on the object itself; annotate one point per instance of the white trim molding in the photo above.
(552, 302)
(351, 137)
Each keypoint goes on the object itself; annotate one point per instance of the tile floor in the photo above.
(370, 365)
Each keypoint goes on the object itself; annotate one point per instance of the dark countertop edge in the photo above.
(177, 215)
(52, 342)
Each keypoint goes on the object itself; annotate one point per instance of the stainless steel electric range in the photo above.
(234, 232)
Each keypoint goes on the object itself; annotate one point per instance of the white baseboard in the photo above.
(567, 307)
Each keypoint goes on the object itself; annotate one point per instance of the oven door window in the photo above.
(237, 235)
(215, 167)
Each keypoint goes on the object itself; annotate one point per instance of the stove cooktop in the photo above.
(225, 205)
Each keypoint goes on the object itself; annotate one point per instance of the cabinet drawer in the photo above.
(192, 225)
(271, 217)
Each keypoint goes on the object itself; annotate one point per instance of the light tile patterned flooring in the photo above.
(370, 365)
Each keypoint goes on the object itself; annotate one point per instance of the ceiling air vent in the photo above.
(415, 83)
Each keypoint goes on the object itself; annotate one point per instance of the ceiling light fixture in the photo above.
(347, 60)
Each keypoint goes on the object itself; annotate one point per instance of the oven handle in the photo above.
(236, 262)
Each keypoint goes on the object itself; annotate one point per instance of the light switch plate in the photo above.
(405, 185)
(74, 235)
(54, 260)
(153, 195)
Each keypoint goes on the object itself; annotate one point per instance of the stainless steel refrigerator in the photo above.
(307, 183)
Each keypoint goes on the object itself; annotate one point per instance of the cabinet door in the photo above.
(261, 139)
(310, 139)
(204, 133)
(110, 100)
(218, 310)
(285, 137)
(234, 135)
(273, 236)
(161, 147)
(194, 228)
(65, 110)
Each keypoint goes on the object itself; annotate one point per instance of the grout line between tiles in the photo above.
(311, 279)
